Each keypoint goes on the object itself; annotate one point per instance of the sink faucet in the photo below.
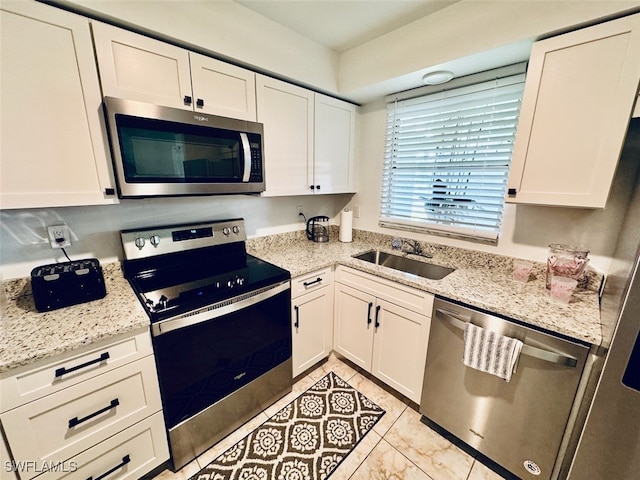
(417, 248)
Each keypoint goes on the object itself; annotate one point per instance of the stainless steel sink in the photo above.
(405, 264)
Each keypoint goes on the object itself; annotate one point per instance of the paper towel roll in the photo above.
(346, 226)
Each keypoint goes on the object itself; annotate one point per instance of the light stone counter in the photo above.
(481, 280)
(27, 335)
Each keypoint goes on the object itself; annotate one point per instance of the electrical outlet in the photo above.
(59, 236)
(299, 209)
(356, 211)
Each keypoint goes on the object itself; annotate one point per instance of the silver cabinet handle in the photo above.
(459, 321)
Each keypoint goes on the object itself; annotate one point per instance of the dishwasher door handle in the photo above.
(459, 321)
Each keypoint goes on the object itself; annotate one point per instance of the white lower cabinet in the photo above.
(8, 472)
(312, 318)
(96, 411)
(383, 327)
(127, 455)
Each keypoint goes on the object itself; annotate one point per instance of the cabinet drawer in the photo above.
(69, 369)
(396, 293)
(130, 454)
(61, 425)
(311, 281)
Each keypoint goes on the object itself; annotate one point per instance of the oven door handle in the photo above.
(459, 321)
(218, 309)
(246, 150)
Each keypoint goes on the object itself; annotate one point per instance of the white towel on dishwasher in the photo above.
(490, 352)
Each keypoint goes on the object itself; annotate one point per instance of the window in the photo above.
(448, 153)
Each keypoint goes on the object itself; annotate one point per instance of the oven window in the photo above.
(203, 363)
(162, 151)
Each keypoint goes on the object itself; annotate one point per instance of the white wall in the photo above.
(526, 230)
(480, 32)
(95, 230)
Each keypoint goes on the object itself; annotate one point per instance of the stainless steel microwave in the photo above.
(162, 151)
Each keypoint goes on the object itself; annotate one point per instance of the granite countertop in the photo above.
(27, 335)
(480, 280)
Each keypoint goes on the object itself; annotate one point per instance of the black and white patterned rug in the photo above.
(306, 440)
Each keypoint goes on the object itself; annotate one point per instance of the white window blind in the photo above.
(447, 159)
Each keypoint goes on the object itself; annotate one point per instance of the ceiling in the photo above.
(344, 24)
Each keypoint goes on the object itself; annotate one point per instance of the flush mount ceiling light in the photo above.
(438, 77)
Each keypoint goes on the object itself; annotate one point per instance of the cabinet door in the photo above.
(140, 68)
(287, 114)
(400, 348)
(312, 328)
(353, 325)
(128, 455)
(577, 101)
(223, 89)
(9, 470)
(34, 381)
(334, 159)
(65, 423)
(53, 148)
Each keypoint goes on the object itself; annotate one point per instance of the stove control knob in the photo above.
(240, 281)
(226, 231)
(155, 240)
(230, 284)
(236, 229)
(139, 241)
(163, 302)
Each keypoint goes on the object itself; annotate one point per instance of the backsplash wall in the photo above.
(95, 230)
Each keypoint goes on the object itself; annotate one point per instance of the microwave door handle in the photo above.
(246, 149)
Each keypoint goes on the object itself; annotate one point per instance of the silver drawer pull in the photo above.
(459, 321)
(75, 421)
(126, 459)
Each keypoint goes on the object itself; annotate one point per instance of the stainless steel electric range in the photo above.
(220, 324)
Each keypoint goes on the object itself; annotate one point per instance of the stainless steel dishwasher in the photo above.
(520, 424)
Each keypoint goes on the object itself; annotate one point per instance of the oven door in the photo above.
(203, 360)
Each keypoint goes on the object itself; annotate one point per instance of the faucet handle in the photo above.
(396, 243)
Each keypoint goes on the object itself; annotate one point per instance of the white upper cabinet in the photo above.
(578, 98)
(53, 149)
(224, 89)
(140, 68)
(287, 112)
(333, 162)
(309, 140)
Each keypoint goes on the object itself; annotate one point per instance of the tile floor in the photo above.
(399, 447)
